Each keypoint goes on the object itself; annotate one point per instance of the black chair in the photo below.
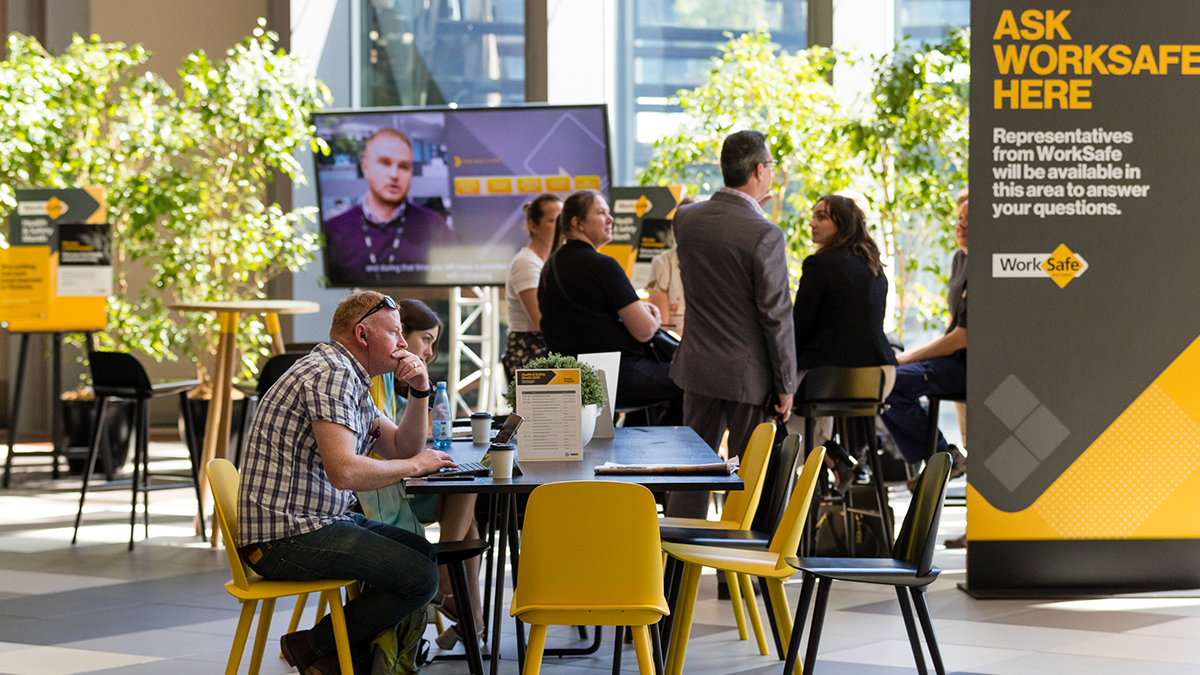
(117, 376)
(847, 394)
(910, 570)
(272, 369)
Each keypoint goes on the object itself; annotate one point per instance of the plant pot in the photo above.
(590, 413)
(80, 416)
(199, 408)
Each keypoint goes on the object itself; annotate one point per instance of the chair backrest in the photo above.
(833, 383)
(118, 374)
(786, 539)
(590, 544)
(741, 505)
(918, 535)
(223, 480)
(781, 476)
(274, 368)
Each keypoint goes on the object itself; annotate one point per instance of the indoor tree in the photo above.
(755, 85)
(911, 142)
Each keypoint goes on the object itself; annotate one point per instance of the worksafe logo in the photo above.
(1061, 266)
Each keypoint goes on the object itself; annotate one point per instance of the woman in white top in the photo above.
(665, 289)
(525, 340)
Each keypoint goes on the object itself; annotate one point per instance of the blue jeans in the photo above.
(944, 376)
(396, 567)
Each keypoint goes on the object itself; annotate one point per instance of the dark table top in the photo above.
(632, 445)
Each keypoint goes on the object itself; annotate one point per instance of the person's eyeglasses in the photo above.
(387, 301)
(768, 163)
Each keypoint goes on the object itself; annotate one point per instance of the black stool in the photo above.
(844, 393)
(119, 376)
(454, 554)
(955, 496)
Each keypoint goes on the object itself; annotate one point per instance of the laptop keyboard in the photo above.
(465, 469)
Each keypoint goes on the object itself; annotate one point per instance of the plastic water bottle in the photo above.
(442, 419)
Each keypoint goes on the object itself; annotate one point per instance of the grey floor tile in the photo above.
(160, 643)
(1106, 622)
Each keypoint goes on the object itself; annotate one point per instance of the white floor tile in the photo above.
(60, 661)
(1142, 647)
(898, 653)
(29, 583)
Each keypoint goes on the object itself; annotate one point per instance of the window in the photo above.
(930, 20)
(673, 42)
(435, 52)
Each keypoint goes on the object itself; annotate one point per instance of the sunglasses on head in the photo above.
(387, 302)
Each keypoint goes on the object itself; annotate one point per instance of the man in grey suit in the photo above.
(737, 362)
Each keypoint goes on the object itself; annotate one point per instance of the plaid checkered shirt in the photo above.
(284, 490)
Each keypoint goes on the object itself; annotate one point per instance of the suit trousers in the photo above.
(710, 418)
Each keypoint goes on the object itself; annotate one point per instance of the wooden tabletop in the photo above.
(250, 306)
(632, 445)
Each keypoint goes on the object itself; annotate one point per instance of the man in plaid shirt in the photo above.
(305, 459)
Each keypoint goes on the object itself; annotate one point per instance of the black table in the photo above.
(632, 445)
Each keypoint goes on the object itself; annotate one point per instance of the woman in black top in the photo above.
(842, 297)
(588, 305)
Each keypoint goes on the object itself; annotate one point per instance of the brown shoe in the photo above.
(958, 465)
(957, 542)
(298, 652)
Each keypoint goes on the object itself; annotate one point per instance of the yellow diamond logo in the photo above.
(55, 208)
(642, 206)
(1063, 265)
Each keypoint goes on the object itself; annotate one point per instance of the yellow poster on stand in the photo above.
(25, 283)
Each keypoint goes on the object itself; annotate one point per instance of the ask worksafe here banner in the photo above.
(1084, 388)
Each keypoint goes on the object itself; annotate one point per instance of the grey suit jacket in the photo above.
(739, 344)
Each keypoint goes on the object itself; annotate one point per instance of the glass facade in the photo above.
(434, 52)
(930, 20)
(669, 47)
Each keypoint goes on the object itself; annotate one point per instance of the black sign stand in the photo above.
(58, 436)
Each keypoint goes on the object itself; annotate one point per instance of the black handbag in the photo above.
(662, 347)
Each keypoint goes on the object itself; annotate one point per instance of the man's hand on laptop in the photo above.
(429, 461)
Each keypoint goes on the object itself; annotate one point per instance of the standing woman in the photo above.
(525, 340)
(589, 306)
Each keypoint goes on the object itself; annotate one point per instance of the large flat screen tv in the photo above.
(433, 196)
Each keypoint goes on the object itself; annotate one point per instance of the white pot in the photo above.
(590, 413)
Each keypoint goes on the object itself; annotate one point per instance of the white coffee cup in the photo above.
(503, 455)
(481, 428)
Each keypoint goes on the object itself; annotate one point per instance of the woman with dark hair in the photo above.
(588, 305)
(843, 291)
(520, 289)
(454, 513)
(839, 308)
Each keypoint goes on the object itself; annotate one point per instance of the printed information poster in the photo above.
(638, 211)
(551, 402)
(1084, 412)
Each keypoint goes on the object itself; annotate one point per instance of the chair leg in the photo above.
(533, 652)
(779, 604)
(656, 648)
(766, 596)
(137, 465)
(755, 617)
(881, 493)
(910, 626)
(641, 644)
(818, 623)
(340, 636)
(735, 599)
(15, 410)
(194, 461)
(793, 649)
(918, 597)
(618, 648)
(322, 604)
(294, 624)
(260, 638)
(239, 637)
(91, 463)
(674, 580)
(144, 431)
(682, 628)
(466, 618)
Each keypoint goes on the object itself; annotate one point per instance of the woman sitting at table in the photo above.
(588, 305)
(840, 305)
(454, 513)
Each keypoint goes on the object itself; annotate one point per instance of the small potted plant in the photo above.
(592, 392)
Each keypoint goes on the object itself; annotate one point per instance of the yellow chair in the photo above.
(770, 564)
(249, 588)
(590, 556)
(737, 514)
